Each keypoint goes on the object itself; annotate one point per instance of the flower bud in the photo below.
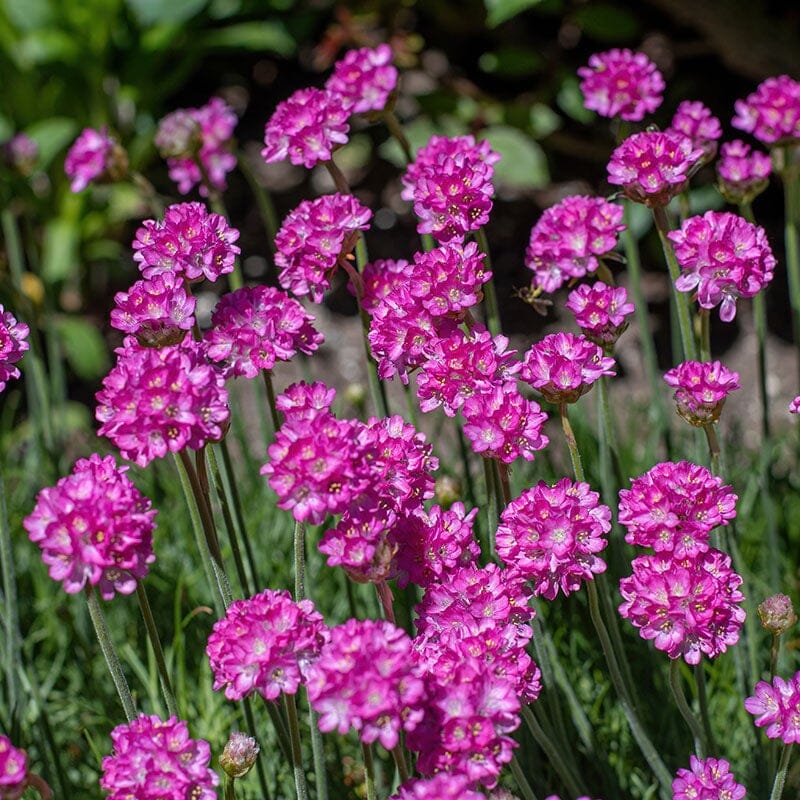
(448, 490)
(239, 755)
(777, 614)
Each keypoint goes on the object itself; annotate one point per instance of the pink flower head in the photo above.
(707, 779)
(189, 242)
(156, 401)
(772, 112)
(674, 507)
(156, 760)
(600, 312)
(252, 328)
(743, 173)
(304, 401)
(652, 167)
(13, 770)
(442, 786)
(724, 257)
(157, 312)
(265, 644)
(621, 83)
(191, 135)
(776, 706)
(363, 79)
(563, 366)
(13, 343)
(551, 536)
(504, 425)
(794, 406)
(694, 120)
(701, 389)
(94, 527)
(314, 238)
(19, 153)
(306, 128)
(365, 679)
(569, 239)
(381, 279)
(689, 608)
(95, 157)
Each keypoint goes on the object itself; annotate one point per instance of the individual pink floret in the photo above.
(707, 779)
(364, 79)
(621, 83)
(188, 241)
(776, 706)
(157, 760)
(772, 112)
(743, 173)
(652, 167)
(95, 157)
(570, 238)
(14, 778)
(701, 389)
(265, 644)
(365, 679)
(723, 257)
(13, 344)
(674, 507)
(94, 527)
(689, 608)
(442, 786)
(601, 312)
(381, 279)
(314, 238)
(550, 535)
(304, 401)
(696, 121)
(563, 367)
(306, 128)
(159, 401)
(157, 312)
(254, 327)
(191, 135)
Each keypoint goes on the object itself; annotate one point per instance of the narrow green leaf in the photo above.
(60, 250)
(500, 11)
(269, 36)
(84, 347)
(154, 12)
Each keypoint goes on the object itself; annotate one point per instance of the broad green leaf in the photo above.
(499, 11)
(418, 132)
(154, 12)
(523, 164)
(268, 36)
(60, 250)
(52, 135)
(570, 100)
(84, 347)
(543, 120)
(606, 22)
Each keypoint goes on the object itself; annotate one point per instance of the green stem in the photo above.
(297, 753)
(149, 192)
(400, 763)
(110, 654)
(780, 775)
(792, 244)
(299, 560)
(155, 641)
(393, 124)
(700, 744)
(11, 610)
(339, 180)
(489, 293)
(523, 785)
(702, 700)
(229, 792)
(412, 406)
(369, 770)
(318, 756)
(266, 208)
(705, 334)
(774, 651)
(713, 446)
(273, 408)
(572, 444)
(493, 504)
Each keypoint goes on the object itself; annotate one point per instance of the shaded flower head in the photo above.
(13, 770)
(621, 83)
(689, 608)
(95, 157)
(776, 706)
(743, 173)
(777, 614)
(364, 79)
(94, 527)
(569, 239)
(701, 389)
(600, 312)
(156, 401)
(563, 366)
(694, 120)
(306, 128)
(312, 240)
(724, 257)
(772, 112)
(188, 241)
(265, 644)
(706, 779)
(157, 760)
(442, 786)
(13, 343)
(550, 535)
(652, 167)
(19, 153)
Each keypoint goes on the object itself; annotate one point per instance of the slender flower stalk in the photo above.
(369, 771)
(780, 775)
(161, 663)
(492, 305)
(522, 782)
(572, 444)
(702, 702)
(266, 208)
(273, 410)
(791, 237)
(297, 752)
(700, 743)
(11, 665)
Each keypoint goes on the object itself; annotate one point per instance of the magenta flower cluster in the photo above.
(13, 770)
(601, 312)
(450, 184)
(364, 79)
(442, 786)
(743, 172)
(13, 344)
(551, 535)
(95, 156)
(621, 83)
(157, 760)
(188, 241)
(723, 257)
(701, 389)
(313, 240)
(265, 644)
(776, 706)
(254, 327)
(156, 401)
(94, 527)
(694, 120)
(706, 779)
(570, 238)
(196, 144)
(772, 112)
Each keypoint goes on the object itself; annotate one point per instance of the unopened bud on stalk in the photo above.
(239, 755)
(777, 614)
